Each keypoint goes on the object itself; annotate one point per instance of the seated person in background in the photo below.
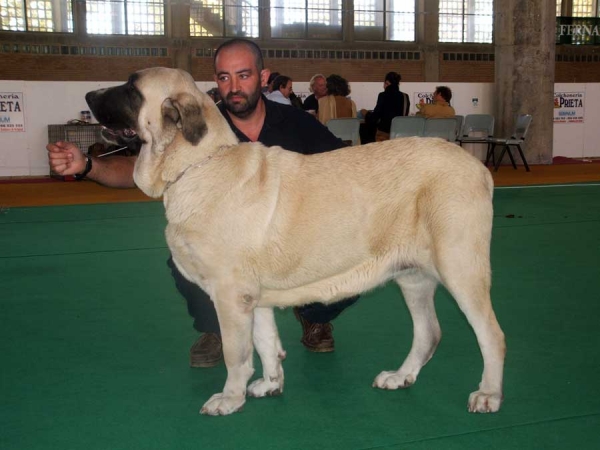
(282, 88)
(269, 86)
(296, 101)
(335, 104)
(390, 103)
(318, 87)
(214, 94)
(440, 108)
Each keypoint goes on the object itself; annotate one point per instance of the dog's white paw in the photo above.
(222, 405)
(482, 402)
(394, 380)
(264, 388)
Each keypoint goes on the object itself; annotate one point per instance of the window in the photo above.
(466, 21)
(306, 19)
(36, 15)
(392, 20)
(583, 8)
(217, 18)
(581, 25)
(578, 8)
(125, 17)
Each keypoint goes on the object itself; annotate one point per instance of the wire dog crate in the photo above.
(83, 135)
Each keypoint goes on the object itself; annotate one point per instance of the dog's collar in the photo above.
(195, 166)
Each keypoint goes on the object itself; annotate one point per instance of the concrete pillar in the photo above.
(80, 19)
(524, 34)
(427, 36)
(179, 31)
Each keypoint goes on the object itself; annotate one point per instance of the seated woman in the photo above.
(390, 103)
(335, 104)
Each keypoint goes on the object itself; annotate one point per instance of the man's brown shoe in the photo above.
(316, 337)
(207, 351)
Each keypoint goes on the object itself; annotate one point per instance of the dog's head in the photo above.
(176, 123)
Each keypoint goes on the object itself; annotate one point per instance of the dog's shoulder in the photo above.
(259, 151)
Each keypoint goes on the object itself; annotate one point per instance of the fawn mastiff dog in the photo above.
(261, 227)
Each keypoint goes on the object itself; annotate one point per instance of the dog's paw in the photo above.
(222, 405)
(482, 402)
(394, 380)
(265, 388)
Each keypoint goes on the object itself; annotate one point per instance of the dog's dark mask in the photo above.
(117, 109)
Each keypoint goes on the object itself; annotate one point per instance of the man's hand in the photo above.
(65, 158)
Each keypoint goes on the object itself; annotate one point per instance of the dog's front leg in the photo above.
(268, 346)
(235, 311)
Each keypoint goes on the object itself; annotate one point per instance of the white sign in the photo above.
(569, 107)
(302, 95)
(423, 98)
(11, 111)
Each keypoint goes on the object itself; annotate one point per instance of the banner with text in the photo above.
(569, 107)
(423, 98)
(12, 117)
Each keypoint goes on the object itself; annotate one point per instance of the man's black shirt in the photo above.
(311, 102)
(290, 128)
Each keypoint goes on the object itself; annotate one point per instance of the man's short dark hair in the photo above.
(280, 81)
(445, 92)
(252, 46)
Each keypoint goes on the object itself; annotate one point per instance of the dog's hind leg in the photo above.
(472, 293)
(418, 289)
(464, 268)
(235, 310)
(268, 346)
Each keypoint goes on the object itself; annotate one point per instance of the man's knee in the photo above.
(322, 313)
(190, 291)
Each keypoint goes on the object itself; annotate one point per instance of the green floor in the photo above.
(94, 341)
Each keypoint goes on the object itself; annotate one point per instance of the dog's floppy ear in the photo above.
(184, 110)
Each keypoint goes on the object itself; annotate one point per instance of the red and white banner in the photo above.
(12, 117)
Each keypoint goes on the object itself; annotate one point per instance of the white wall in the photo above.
(23, 153)
(46, 102)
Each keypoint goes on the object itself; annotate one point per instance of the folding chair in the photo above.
(482, 124)
(347, 129)
(442, 128)
(459, 126)
(516, 139)
(407, 126)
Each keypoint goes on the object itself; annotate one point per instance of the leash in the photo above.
(111, 152)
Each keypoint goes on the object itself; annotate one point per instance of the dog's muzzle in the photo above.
(126, 134)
